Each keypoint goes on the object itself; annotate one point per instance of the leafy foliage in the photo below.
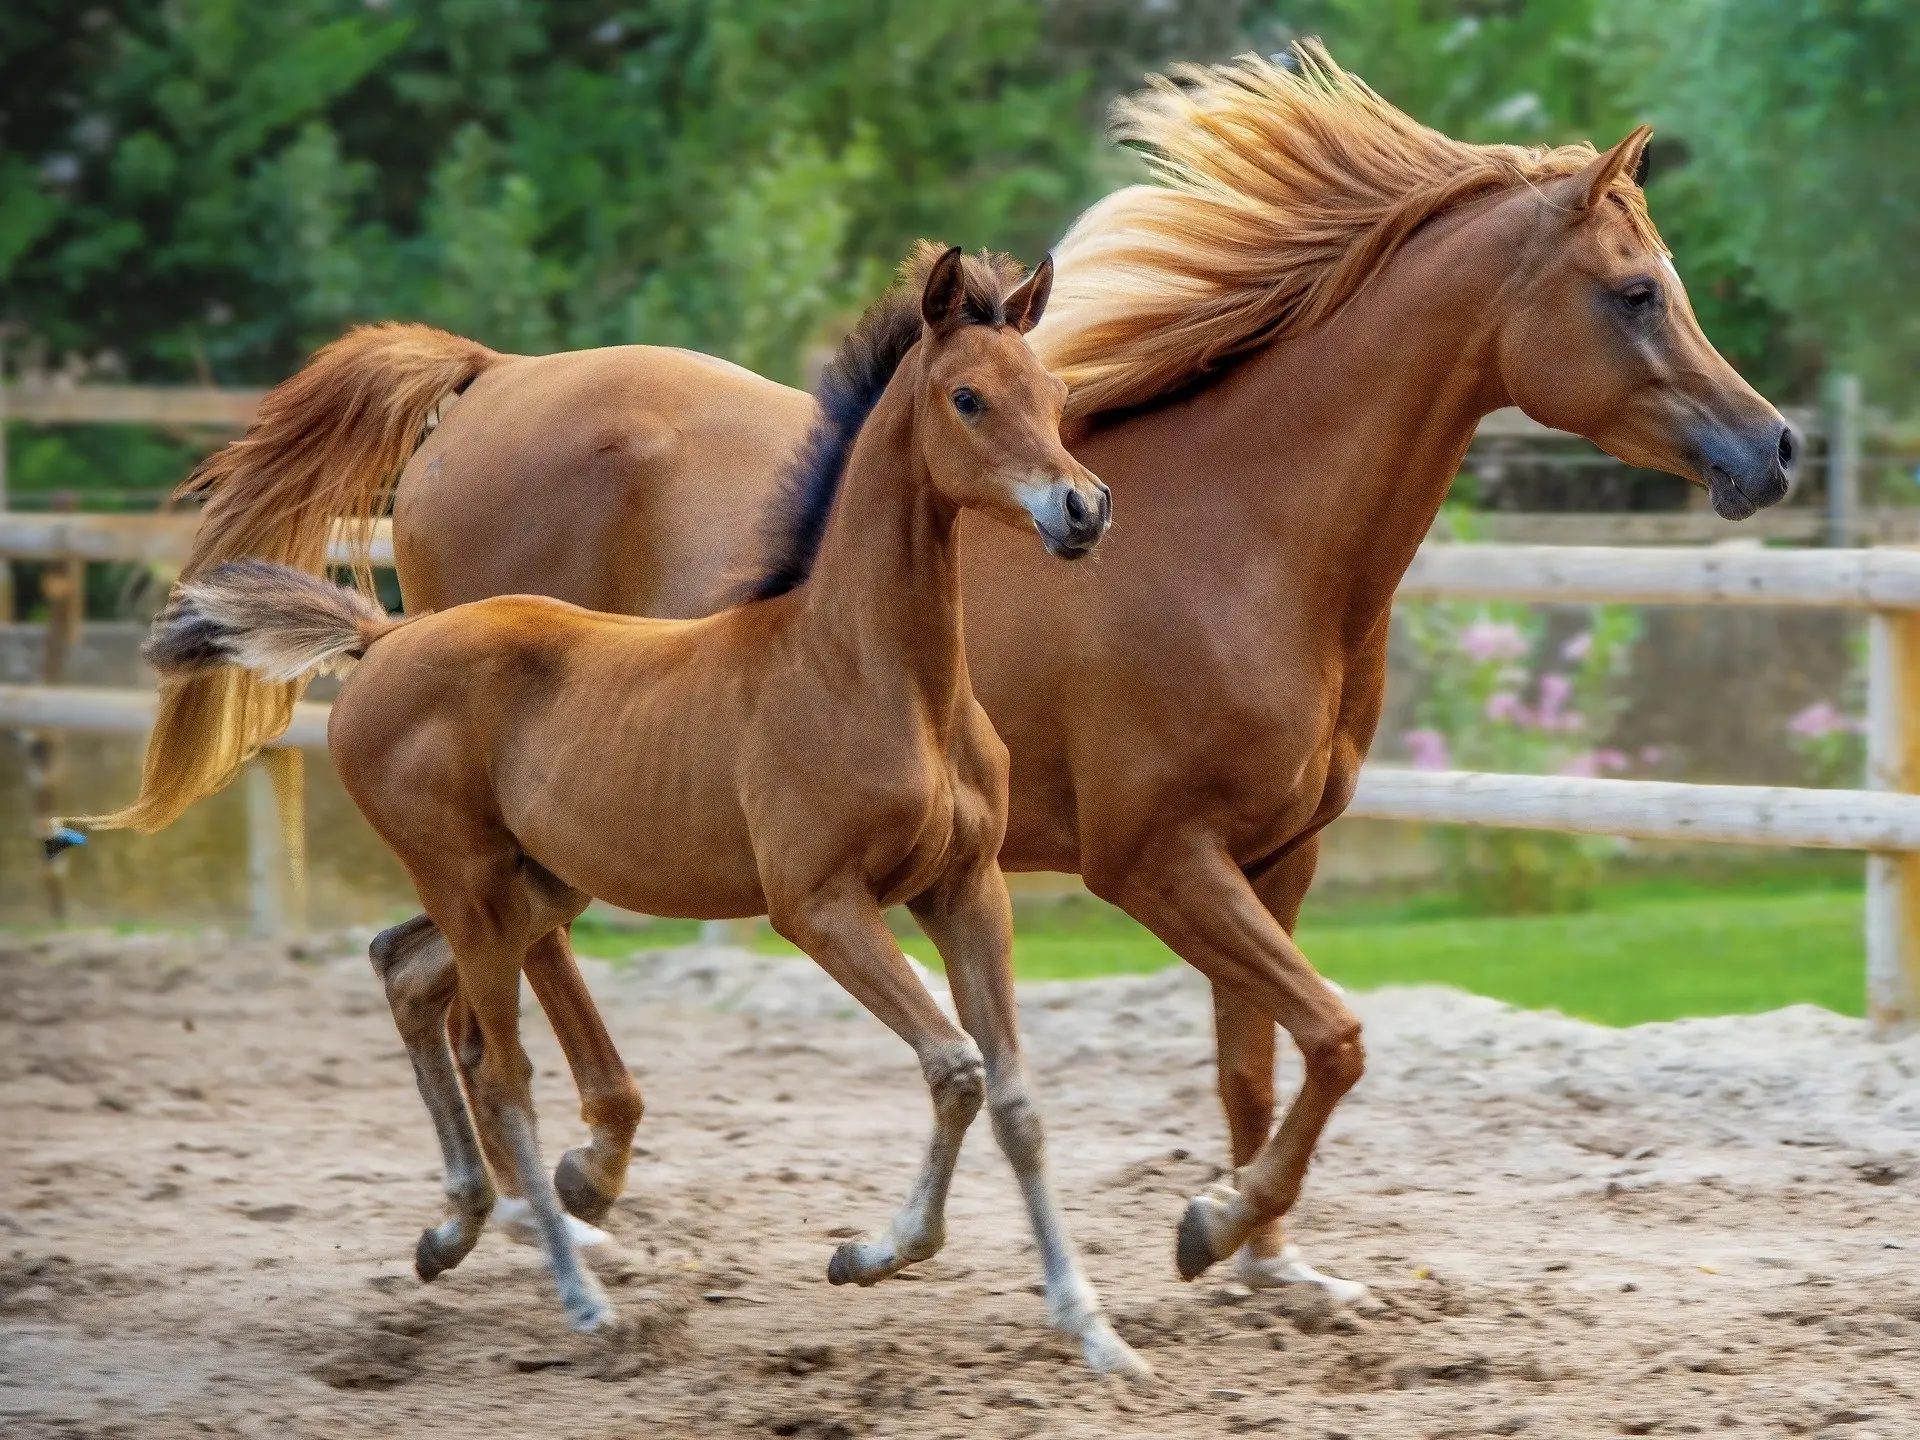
(214, 188)
(1799, 118)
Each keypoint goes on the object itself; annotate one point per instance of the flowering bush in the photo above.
(1832, 743)
(1501, 697)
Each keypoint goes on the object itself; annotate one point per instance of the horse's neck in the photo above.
(1358, 426)
(885, 586)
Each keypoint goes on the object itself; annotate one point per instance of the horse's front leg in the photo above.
(1194, 898)
(842, 929)
(968, 918)
(1245, 1041)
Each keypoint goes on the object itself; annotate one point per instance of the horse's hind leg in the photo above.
(847, 936)
(415, 965)
(589, 1178)
(971, 923)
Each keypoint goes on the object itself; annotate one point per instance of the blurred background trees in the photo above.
(207, 189)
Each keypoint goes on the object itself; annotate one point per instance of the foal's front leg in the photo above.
(971, 922)
(845, 933)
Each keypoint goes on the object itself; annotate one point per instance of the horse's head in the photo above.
(1599, 339)
(988, 413)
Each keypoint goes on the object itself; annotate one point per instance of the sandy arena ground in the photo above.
(213, 1167)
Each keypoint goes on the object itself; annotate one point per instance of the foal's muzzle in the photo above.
(1070, 518)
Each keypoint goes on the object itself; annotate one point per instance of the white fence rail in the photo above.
(1884, 820)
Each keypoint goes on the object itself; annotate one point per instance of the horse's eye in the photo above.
(1640, 297)
(967, 403)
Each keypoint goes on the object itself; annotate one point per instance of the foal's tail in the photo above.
(279, 623)
(326, 449)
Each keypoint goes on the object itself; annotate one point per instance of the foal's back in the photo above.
(606, 745)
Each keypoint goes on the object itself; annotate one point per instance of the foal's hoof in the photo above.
(578, 1192)
(1205, 1235)
(589, 1313)
(1108, 1354)
(429, 1262)
(840, 1269)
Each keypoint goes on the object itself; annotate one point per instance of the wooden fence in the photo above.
(1883, 820)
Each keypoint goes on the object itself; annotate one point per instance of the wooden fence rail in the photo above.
(1884, 821)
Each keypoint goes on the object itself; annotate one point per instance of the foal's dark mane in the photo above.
(850, 387)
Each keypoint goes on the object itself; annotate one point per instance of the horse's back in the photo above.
(633, 479)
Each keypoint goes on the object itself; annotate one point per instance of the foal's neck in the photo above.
(885, 587)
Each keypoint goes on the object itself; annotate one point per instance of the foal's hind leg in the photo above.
(589, 1178)
(489, 919)
(971, 923)
(845, 933)
(415, 965)
(603, 1099)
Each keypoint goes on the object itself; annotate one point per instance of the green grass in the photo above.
(1651, 948)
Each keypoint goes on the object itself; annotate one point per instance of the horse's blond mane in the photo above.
(1282, 191)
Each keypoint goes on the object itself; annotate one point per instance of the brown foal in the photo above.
(1278, 357)
(814, 754)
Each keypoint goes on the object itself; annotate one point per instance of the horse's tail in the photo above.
(327, 447)
(273, 621)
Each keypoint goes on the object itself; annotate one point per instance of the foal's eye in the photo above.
(967, 403)
(1640, 297)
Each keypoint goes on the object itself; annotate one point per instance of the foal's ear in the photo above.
(1028, 302)
(944, 296)
(1628, 158)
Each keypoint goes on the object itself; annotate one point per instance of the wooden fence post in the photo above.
(266, 852)
(1893, 880)
(1843, 461)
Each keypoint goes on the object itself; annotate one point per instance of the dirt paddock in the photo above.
(213, 1168)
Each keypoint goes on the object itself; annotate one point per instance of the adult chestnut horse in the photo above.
(1278, 356)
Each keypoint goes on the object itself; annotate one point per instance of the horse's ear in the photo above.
(944, 296)
(1628, 158)
(1028, 302)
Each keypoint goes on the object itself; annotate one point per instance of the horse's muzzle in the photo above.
(1746, 472)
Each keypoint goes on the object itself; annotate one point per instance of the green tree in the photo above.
(1799, 120)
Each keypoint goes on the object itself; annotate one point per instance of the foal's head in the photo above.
(1598, 338)
(987, 412)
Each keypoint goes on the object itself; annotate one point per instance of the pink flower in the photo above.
(1575, 650)
(1504, 705)
(1554, 691)
(1428, 749)
(1486, 640)
(1652, 755)
(1823, 718)
(1610, 760)
(1583, 766)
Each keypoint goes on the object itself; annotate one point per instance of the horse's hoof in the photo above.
(428, 1263)
(578, 1192)
(1193, 1246)
(1288, 1268)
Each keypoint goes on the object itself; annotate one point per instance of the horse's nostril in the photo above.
(1786, 447)
(1076, 508)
